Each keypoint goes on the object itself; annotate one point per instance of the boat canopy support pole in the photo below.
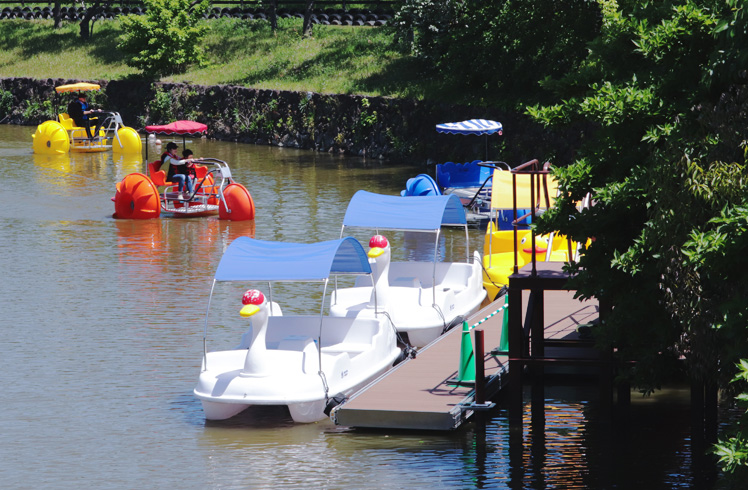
(374, 288)
(433, 271)
(467, 244)
(319, 342)
(205, 329)
(489, 232)
(270, 293)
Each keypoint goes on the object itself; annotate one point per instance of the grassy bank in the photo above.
(337, 59)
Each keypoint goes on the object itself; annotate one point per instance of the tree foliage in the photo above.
(661, 96)
(167, 39)
(506, 49)
(733, 452)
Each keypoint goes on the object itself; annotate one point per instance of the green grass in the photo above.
(34, 49)
(336, 59)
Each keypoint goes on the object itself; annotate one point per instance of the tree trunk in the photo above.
(307, 30)
(87, 31)
(56, 14)
(274, 15)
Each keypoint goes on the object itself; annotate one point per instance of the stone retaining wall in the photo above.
(371, 127)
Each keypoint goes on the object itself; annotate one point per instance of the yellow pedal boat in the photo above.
(63, 136)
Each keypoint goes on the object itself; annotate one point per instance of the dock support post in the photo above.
(480, 372)
(537, 330)
(516, 348)
(607, 370)
(538, 441)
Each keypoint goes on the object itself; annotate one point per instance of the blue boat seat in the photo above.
(468, 174)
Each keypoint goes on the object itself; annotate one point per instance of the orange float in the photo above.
(238, 204)
(136, 198)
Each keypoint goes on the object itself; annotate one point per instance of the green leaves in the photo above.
(732, 453)
(167, 39)
(675, 36)
(508, 50)
(660, 154)
(611, 104)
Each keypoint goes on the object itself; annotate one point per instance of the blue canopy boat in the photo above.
(470, 181)
(306, 362)
(423, 299)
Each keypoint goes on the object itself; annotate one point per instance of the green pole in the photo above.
(504, 342)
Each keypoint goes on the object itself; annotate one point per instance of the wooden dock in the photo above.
(417, 393)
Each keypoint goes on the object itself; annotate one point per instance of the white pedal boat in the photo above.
(306, 362)
(422, 299)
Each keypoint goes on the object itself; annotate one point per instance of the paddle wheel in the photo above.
(136, 198)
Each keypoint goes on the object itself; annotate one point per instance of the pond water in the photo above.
(102, 342)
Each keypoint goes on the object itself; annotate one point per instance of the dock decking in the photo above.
(417, 393)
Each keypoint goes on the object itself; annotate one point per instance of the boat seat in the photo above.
(200, 172)
(406, 282)
(67, 122)
(157, 176)
(294, 342)
(352, 348)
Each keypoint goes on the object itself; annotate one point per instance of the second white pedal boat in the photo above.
(423, 299)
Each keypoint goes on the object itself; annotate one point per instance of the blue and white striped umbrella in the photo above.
(473, 126)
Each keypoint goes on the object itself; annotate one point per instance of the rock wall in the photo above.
(372, 127)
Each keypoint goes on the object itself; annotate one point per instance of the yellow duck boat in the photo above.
(516, 190)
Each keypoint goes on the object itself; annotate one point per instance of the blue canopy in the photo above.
(247, 259)
(425, 213)
(472, 126)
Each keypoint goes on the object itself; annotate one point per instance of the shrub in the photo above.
(6, 102)
(167, 39)
(160, 107)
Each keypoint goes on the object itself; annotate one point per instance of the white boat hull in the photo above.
(415, 307)
(354, 352)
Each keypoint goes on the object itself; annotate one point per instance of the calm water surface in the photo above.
(102, 333)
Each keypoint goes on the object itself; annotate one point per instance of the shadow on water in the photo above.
(564, 440)
(256, 417)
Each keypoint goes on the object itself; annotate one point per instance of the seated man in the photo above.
(79, 111)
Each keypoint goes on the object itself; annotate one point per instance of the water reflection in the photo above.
(59, 163)
(125, 164)
(71, 174)
(103, 341)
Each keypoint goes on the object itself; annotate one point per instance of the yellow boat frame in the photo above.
(506, 251)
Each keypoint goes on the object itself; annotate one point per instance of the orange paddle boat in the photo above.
(140, 196)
